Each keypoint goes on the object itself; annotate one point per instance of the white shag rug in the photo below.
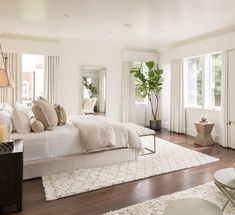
(156, 206)
(169, 157)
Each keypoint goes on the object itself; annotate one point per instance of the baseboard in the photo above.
(193, 132)
(165, 125)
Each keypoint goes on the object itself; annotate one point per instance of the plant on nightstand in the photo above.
(149, 83)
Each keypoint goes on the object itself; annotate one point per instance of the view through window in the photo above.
(203, 81)
(138, 98)
(32, 77)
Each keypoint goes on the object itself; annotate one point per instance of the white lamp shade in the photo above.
(4, 81)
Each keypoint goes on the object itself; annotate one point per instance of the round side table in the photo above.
(224, 179)
(192, 206)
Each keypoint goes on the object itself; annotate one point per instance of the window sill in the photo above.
(204, 109)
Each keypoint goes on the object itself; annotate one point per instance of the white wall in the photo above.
(219, 43)
(73, 55)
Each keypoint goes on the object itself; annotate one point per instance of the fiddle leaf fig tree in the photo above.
(149, 80)
(91, 89)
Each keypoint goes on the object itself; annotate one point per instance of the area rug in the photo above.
(156, 206)
(169, 157)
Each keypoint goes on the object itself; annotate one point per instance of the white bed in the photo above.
(60, 150)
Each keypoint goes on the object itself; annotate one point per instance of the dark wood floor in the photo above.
(116, 197)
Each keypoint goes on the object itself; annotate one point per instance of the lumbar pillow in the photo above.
(61, 115)
(21, 120)
(5, 118)
(36, 125)
(45, 113)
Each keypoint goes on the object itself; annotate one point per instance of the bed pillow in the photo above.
(21, 120)
(36, 125)
(61, 115)
(39, 116)
(47, 112)
(6, 107)
(5, 118)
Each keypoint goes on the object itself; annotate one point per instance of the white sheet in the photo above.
(62, 141)
(49, 144)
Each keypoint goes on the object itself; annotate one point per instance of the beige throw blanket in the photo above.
(98, 133)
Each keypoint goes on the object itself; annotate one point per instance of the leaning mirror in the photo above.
(94, 90)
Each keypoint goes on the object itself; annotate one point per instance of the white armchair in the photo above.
(88, 105)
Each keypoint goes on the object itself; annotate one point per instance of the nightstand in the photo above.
(11, 176)
(204, 137)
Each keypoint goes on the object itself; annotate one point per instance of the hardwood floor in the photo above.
(116, 197)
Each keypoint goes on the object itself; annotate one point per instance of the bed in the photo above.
(61, 150)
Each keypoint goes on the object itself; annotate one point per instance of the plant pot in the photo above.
(155, 124)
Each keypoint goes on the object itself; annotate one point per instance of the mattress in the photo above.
(61, 141)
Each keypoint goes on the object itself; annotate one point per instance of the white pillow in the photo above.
(21, 120)
(6, 107)
(5, 118)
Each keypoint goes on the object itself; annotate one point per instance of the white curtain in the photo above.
(227, 135)
(51, 78)
(177, 110)
(14, 69)
(128, 94)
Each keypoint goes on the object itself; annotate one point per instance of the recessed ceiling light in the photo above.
(127, 25)
(66, 15)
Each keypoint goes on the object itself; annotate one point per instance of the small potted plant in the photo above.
(149, 83)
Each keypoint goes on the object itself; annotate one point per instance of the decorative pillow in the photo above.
(5, 118)
(6, 107)
(61, 115)
(36, 125)
(39, 116)
(47, 110)
(21, 120)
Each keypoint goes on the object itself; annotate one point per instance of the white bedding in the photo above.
(49, 144)
(62, 141)
(97, 133)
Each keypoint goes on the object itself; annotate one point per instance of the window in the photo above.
(203, 81)
(138, 98)
(85, 90)
(32, 77)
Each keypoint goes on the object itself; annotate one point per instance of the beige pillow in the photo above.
(47, 114)
(21, 120)
(36, 125)
(39, 116)
(61, 115)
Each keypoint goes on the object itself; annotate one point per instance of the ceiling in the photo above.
(142, 23)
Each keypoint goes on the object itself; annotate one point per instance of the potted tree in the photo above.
(149, 81)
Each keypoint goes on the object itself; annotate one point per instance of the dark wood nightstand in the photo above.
(11, 177)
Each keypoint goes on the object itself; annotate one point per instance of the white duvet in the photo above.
(97, 133)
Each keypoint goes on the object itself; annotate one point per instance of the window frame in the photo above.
(206, 69)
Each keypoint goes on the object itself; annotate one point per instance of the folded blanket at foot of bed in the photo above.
(97, 133)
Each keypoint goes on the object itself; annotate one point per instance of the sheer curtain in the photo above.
(51, 78)
(227, 135)
(14, 69)
(177, 110)
(128, 94)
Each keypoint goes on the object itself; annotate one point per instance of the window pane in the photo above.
(138, 98)
(194, 82)
(215, 80)
(32, 77)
